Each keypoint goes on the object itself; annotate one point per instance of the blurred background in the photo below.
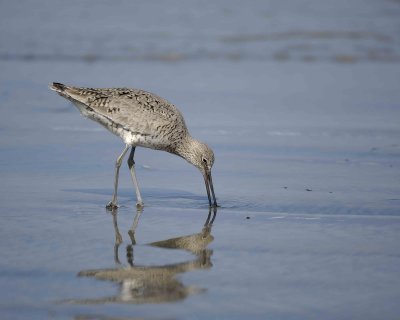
(300, 102)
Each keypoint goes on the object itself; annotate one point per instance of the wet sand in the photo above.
(306, 172)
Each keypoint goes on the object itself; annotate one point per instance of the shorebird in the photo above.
(142, 119)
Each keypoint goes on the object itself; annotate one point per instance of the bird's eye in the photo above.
(204, 160)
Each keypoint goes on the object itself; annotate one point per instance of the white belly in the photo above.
(137, 139)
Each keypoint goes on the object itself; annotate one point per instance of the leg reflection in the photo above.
(118, 236)
(135, 223)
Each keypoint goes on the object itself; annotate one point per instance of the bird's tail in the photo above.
(70, 93)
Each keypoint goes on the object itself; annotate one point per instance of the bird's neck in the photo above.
(187, 149)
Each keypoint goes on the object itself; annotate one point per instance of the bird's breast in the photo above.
(151, 141)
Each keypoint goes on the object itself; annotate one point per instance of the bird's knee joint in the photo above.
(118, 164)
(131, 163)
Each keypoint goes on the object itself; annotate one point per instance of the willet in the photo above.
(142, 119)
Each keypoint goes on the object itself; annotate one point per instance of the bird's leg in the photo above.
(113, 203)
(131, 165)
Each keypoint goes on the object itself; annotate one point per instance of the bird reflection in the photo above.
(155, 284)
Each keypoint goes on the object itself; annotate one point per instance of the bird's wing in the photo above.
(135, 110)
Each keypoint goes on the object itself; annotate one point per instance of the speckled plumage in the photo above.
(139, 117)
(142, 119)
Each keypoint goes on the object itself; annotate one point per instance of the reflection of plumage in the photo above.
(141, 284)
(155, 284)
(194, 243)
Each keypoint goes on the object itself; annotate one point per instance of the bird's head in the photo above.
(202, 157)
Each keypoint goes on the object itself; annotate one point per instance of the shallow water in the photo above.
(306, 172)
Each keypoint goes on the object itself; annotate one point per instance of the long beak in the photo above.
(210, 189)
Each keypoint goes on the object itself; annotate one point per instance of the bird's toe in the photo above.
(140, 205)
(111, 206)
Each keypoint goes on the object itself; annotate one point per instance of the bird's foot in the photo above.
(139, 205)
(111, 206)
(214, 205)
